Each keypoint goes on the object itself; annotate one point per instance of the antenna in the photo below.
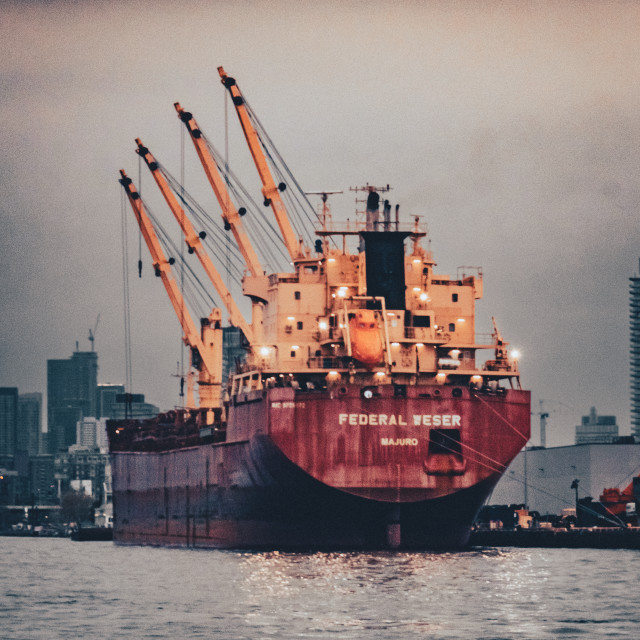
(325, 207)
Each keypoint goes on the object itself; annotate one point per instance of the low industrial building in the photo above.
(542, 478)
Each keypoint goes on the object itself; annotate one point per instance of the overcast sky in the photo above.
(513, 127)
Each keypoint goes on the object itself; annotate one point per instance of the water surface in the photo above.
(56, 588)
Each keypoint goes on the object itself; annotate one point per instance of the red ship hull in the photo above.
(350, 467)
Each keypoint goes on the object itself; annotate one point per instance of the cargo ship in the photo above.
(366, 412)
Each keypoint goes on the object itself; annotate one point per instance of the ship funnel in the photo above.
(373, 204)
(387, 215)
(373, 201)
(385, 266)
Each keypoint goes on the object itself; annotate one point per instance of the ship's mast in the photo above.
(270, 191)
(229, 213)
(194, 242)
(208, 344)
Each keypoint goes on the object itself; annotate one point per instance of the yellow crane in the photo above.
(270, 191)
(229, 212)
(206, 345)
(194, 242)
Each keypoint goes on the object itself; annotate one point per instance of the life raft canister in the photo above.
(366, 343)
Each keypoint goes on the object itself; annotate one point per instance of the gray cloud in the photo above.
(512, 127)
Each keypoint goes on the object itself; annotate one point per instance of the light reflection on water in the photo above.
(60, 589)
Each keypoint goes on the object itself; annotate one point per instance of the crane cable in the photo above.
(241, 194)
(305, 205)
(500, 467)
(226, 166)
(181, 392)
(192, 281)
(629, 476)
(302, 203)
(140, 230)
(214, 236)
(126, 302)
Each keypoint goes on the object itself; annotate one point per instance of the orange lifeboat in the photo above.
(366, 344)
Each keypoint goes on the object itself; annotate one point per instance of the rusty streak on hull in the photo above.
(319, 470)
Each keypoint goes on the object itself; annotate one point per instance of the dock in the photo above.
(574, 538)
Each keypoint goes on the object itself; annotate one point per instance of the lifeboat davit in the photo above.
(366, 344)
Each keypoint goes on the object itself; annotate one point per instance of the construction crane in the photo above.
(270, 191)
(206, 345)
(543, 415)
(230, 215)
(92, 334)
(194, 242)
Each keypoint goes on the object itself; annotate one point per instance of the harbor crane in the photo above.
(194, 242)
(230, 215)
(206, 345)
(270, 191)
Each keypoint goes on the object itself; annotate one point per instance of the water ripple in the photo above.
(53, 588)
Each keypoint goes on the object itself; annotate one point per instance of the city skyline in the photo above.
(510, 128)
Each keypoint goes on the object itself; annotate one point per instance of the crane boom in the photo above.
(229, 212)
(270, 191)
(209, 354)
(500, 344)
(194, 243)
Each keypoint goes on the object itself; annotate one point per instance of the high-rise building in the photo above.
(29, 423)
(71, 395)
(108, 399)
(82, 467)
(596, 429)
(634, 353)
(114, 403)
(8, 423)
(92, 434)
(43, 484)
